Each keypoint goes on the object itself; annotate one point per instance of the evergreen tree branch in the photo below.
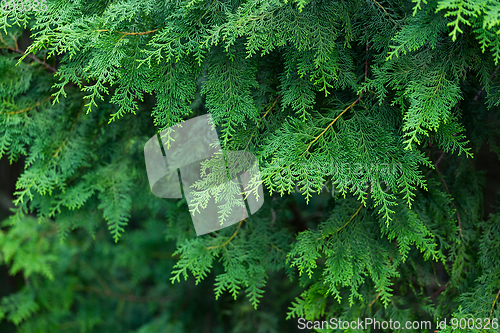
(331, 124)
(494, 302)
(230, 238)
(381, 7)
(350, 106)
(70, 130)
(376, 298)
(257, 126)
(206, 12)
(163, 255)
(366, 61)
(448, 191)
(124, 297)
(345, 225)
(440, 290)
(29, 108)
(275, 247)
(104, 285)
(31, 56)
(251, 51)
(129, 33)
(482, 89)
(352, 218)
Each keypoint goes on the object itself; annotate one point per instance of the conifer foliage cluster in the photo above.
(366, 118)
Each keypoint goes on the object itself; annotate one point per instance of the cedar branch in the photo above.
(29, 108)
(230, 238)
(331, 124)
(494, 302)
(129, 33)
(345, 225)
(31, 56)
(255, 129)
(482, 89)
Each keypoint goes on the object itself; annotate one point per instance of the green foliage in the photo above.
(371, 113)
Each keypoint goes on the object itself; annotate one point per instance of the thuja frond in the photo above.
(373, 115)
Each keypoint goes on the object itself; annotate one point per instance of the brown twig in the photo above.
(482, 89)
(494, 302)
(268, 110)
(29, 108)
(70, 130)
(275, 247)
(448, 191)
(230, 239)
(435, 164)
(345, 225)
(345, 110)
(385, 11)
(129, 33)
(31, 56)
(331, 124)
(366, 61)
(352, 218)
(439, 159)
